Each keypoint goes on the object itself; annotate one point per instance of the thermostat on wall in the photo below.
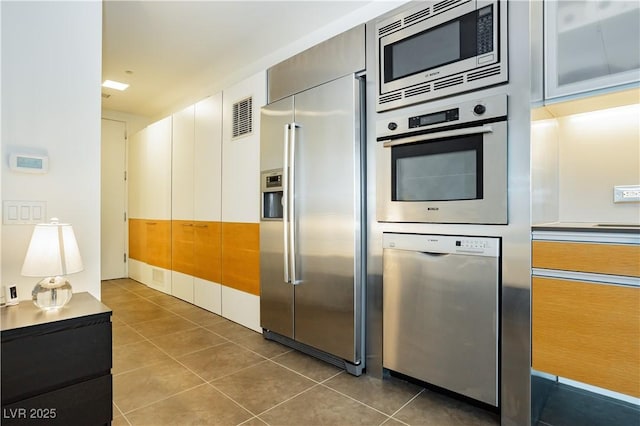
(29, 163)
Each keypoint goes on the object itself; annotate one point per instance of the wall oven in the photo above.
(440, 48)
(444, 166)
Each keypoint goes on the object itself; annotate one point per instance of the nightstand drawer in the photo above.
(86, 403)
(55, 355)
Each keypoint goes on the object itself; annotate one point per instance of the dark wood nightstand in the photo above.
(56, 366)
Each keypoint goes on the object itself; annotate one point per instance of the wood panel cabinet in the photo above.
(182, 246)
(587, 332)
(586, 311)
(614, 259)
(149, 242)
(241, 256)
(208, 251)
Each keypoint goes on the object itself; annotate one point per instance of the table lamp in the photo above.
(52, 253)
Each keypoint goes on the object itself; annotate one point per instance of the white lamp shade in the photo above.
(53, 251)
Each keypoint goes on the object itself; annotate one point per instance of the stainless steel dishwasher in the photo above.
(440, 311)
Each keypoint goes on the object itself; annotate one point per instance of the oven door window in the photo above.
(442, 170)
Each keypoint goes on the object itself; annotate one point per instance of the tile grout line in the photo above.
(164, 398)
(273, 360)
(188, 369)
(316, 383)
(406, 404)
(356, 400)
(252, 418)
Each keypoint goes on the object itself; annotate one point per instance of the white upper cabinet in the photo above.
(135, 173)
(207, 165)
(590, 45)
(156, 189)
(197, 167)
(182, 175)
(149, 175)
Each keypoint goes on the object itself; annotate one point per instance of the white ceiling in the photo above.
(177, 50)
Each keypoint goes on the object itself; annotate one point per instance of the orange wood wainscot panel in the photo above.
(241, 256)
(615, 259)
(207, 250)
(182, 246)
(158, 248)
(137, 240)
(587, 332)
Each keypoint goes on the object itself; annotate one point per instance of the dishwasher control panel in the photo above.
(472, 244)
(444, 244)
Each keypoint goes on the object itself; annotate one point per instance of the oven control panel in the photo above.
(427, 120)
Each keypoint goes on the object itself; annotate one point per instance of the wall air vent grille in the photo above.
(388, 28)
(414, 91)
(484, 73)
(446, 4)
(243, 117)
(417, 16)
(389, 98)
(448, 83)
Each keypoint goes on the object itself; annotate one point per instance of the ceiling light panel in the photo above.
(115, 85)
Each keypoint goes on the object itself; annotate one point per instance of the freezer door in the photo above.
(276, 296)
(327, 218)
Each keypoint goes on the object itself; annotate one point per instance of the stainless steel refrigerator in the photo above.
(311, 241)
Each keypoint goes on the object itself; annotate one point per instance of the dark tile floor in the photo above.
(177, 364)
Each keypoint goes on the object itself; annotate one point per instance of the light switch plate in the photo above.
(626, 193)
(24, 212)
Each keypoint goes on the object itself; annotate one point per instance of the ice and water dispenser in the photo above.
(271, 190)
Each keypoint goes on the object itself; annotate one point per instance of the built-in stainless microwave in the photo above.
(447, 165)
(440, 48)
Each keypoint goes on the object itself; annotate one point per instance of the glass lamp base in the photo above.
(51, 293)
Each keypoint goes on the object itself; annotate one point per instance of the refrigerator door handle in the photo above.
(291, 204)
(285, 202)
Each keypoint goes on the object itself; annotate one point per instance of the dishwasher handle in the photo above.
(434, 254)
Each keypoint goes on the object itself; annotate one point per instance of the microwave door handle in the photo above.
(292, 211)
(285, 202)
(439, 135)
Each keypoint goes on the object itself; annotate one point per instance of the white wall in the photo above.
(578, 159)
(51, 70)
(241, 157)
(598, 150)
(348, 21)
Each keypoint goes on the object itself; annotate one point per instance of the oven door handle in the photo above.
(439, 135)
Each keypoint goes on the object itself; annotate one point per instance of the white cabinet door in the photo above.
(135, 174)
(207, 295)
(156, 183)
(208, 159)
(182, 286)
(182, 174)
(590, 45)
